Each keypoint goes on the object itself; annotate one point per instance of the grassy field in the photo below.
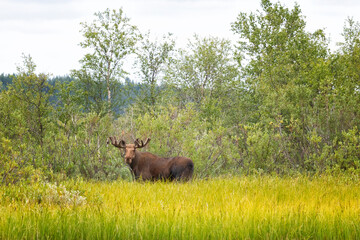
(221, 208)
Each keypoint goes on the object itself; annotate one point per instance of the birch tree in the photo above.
(109, 38)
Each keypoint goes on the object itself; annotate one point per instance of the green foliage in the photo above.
(281, 58)
(14, 164)
(181, 132)
(153, 57)
(346, 71)
(81, 150)
(68, 108)
(296, 85)
(342, 155)
(278, 102)
(204, 74)
(33, 94)
(5, 80)
(110, 37)
(347, 155)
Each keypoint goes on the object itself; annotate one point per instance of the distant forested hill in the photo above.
(5, 80)
(130, 89)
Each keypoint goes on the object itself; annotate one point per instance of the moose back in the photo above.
(148, 166)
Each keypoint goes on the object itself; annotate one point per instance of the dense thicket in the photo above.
(277, 101)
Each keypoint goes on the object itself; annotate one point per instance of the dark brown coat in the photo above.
(147, 166)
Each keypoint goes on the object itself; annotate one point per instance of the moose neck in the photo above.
(135, 161)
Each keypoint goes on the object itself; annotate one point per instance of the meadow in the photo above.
(253, 207)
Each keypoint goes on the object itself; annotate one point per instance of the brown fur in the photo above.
(147, 166)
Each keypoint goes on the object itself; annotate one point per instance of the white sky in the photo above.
(48, 30)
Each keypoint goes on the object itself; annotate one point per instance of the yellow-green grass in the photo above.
(222, 208)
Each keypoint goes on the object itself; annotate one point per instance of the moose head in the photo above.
(129, 148)
(148, 166)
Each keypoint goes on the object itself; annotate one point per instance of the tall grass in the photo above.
(221, 208)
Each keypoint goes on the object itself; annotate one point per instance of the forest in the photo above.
(279, 101)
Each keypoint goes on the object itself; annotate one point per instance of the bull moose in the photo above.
(148, 166)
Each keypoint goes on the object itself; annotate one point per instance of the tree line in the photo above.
(277, 101)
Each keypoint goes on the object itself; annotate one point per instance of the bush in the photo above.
(178, 131)
(15, 165)
(347, 151)
(45, 193)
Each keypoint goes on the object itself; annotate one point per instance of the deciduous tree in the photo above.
(152, 59)
(109, 38)
(33, 92)
(205, 73)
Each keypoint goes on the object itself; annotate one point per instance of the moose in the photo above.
(147, 166)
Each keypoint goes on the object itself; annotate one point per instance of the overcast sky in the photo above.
(48, 30)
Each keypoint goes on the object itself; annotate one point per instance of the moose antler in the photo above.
(140, 144)
(118, 144)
